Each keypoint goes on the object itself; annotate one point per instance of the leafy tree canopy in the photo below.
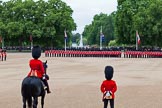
(44, 21)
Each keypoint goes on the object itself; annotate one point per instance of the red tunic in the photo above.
(109, 85)
(4, 54)
(36, 66)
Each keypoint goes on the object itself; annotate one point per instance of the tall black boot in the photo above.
(46, 84)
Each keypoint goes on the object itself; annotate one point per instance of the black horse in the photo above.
(33, 87)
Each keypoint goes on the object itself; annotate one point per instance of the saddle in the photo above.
(34, 74)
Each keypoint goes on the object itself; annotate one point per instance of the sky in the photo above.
(85, 10)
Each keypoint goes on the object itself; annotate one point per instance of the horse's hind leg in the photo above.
(29, 102)
(35, 103)
(24, 102)
(42, 101)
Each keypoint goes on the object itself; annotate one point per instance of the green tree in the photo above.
(149, 20)
(43, 20)
(124, 22)
(144, 16)
(76, 38)
(92, 31)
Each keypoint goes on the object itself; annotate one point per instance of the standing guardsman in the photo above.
(4, 55)
(0, 53)
(108, 87)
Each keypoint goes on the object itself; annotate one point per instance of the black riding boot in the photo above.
(46, 84)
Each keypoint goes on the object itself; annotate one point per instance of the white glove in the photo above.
(43, 77)
(108, 93)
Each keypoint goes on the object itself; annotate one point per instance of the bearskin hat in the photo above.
(36, 52)
(109, 72)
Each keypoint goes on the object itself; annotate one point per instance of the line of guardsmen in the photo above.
(142, 54)
(103, 53)
(3, 55)
(71, 53)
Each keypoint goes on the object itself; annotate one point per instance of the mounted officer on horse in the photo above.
(35, 84)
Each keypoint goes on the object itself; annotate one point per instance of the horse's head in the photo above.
(45, 66)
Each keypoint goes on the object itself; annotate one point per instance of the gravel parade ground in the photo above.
(75, 82)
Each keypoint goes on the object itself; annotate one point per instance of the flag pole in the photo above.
(100, 43)
(65, 44)
(31, 42)
(2, 43)
(65, 38)
(136, 40)
(1, 40)
(101, 39)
